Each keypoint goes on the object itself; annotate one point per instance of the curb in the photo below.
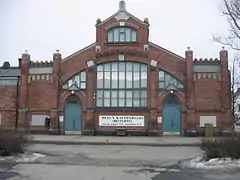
(114, 143)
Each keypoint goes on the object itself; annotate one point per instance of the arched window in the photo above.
(122, 84)
(165, 80)
(122, 35)
(77, 82)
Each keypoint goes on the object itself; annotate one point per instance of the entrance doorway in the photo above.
(73, 115)
(171, 116)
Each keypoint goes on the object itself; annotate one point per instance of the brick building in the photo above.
(121, 81)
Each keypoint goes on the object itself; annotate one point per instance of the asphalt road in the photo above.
(111, 162)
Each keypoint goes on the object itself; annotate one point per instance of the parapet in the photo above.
(41, 64)
(206, 61)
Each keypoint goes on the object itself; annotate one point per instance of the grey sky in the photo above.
(41, 26)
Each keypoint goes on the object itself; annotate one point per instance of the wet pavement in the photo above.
(111, 162)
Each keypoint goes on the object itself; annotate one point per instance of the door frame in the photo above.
(176, 103)
(64, 115)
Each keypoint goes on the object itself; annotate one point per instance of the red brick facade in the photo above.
(205, 93)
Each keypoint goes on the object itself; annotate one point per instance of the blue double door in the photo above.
(73, 117)
(171, 119)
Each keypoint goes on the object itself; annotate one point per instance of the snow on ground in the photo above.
(30, 158)
(212, 163)
(23, 158)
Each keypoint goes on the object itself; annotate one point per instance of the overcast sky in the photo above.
(42, 26)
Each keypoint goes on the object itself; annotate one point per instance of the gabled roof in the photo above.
(122, 13)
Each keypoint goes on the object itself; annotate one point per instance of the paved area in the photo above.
(115, 140)
(89, 162)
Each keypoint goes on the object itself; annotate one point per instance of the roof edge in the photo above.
(167, 51)
(80, 51)
(127, 13)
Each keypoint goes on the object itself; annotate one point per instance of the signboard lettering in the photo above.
(121, 120)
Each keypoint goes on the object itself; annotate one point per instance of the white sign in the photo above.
(61, 119)
(159, 119)
(121, 120)
(208, 120)
(237, 126)
(38, 120)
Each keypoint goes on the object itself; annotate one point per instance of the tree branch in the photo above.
(231, 14)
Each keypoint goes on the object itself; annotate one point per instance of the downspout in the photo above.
(58, 96)
(17, 102)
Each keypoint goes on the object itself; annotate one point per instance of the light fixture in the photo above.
(72, 92)
(171, 92)
(153, 63)
(90, 63)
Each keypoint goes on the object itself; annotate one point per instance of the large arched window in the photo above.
(76, 82)
(165, 80)
(122, 35)
(122, 84)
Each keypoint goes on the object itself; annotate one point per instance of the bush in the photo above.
(221, 148)
(12, 143)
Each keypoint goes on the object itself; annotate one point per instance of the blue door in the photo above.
(171, 116)
(73, 116)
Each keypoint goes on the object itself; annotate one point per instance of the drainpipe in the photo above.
(17, 102)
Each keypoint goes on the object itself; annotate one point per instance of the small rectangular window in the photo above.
(114, 94)
(116, 35)
(180, 85)
(129, 80)
(106, 94)
(106, 79)
(129, 102)
(121, 80)
(83, 76)
(136, 68)
(122, 30)
(136, 102)
(129, 94)
(134, 36)
(99, 102)
(114, 102)
(121, 94)
(128, 34)
(121, 102)
(143, 79)
(143, 94)
(83, 85)
(161, 85)
(167, 78)
(136, 94)
(143, 102)
(106, 102)
(115, 67)
(114, 80)
(129, 67)
(122, 37)
(161, 76)
(110, 36)
(121, 67)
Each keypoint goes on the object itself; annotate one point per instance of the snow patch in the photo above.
(212, 163)
(174, 170)
(30, 158)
